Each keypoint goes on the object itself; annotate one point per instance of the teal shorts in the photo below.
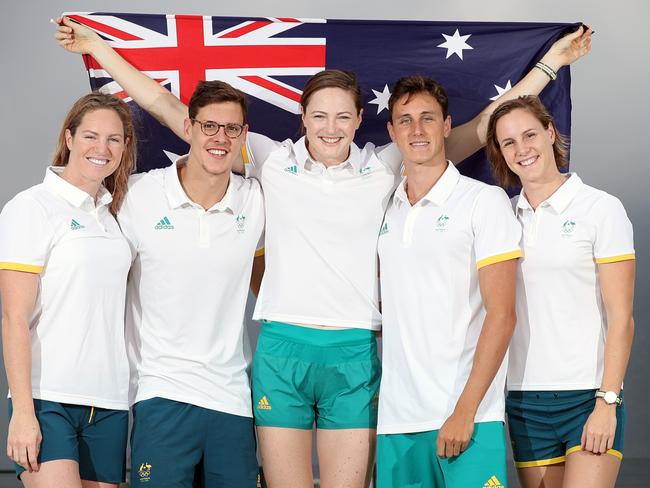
(546, 426)
(173, 443)
(93, 437)
(411, 460)
(302, 375)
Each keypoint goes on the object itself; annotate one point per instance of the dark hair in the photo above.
(117, 182)
(332, 78)
(208, 92)
(531, 104)
(412, 85)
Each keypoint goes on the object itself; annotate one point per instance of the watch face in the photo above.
(610, 397)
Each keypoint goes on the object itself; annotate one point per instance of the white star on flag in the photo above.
(501, 91)
(381, 99)
(455, 44)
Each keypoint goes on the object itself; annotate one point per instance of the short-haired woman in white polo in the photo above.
(63, 270)
(575, 290)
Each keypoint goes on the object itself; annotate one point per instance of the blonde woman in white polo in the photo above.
(574, 330)
(63, 269)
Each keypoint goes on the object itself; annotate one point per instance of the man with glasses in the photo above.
(194, 228)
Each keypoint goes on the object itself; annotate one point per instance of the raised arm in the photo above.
(148, 94)
(18, 292)
(468, 138)
(617, 289)
(497, 284)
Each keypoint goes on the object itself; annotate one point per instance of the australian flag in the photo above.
(270, 59)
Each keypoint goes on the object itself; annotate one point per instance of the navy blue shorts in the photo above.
(546, 426)
(170, 440)
(93, 437)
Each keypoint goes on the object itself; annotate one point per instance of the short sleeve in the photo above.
(125, 218)
(496, 231)
(26, 235)
(256, 151)
(614, 236)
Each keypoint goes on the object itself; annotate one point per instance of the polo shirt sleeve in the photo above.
(391, 157)
(125, 218)
(26, 235)
(259, 250)
(255, 152)
(614, 237)
(496, 231)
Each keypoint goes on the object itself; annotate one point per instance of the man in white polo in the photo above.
(194, 228)
(448, 250)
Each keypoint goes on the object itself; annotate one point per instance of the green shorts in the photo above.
(94, 437)
(411, 460)
(172, 442)
(302, 375)
(546, 426)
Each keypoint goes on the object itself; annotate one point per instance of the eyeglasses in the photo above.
(210, 128)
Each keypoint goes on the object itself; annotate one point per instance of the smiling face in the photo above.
(419, 129)
(526, 146)
(214, 155)
(95, 148)
(330, 120)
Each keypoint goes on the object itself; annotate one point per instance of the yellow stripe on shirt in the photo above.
(259, 252)
(506, 256)
(27, 268)
(615, 259)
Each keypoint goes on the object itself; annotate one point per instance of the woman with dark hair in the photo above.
(572, 341)
(63, 269)
(316, 359)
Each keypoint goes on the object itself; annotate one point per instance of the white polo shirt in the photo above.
(321, 232)
(559, 341)
(188, 288)
(56, 230)
(430, 254)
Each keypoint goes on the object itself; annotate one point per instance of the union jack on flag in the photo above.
(270, 59)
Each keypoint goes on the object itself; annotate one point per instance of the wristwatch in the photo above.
(610, 397)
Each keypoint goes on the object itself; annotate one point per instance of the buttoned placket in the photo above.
(537, 217)
(412, 214)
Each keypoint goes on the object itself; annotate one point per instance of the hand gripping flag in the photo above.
(270, 59)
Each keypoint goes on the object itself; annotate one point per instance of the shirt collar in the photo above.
(439, 193)
(303, 157)
(560, 200)
(75, 196)
(178, 198)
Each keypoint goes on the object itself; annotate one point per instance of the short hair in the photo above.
(531, 104)
(415, 84)
(116, 183)
(209, 92)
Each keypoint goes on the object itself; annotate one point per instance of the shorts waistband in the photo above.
(550, 394)
(317, 337)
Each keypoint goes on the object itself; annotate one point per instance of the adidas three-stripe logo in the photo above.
(164, 224)
(74, 225)
(292, 169)
(493, 482)
(264, 404)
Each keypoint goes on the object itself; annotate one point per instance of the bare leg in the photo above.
(286, 457)
(541, 476)
(593, 470)
(62, 473)
(346, 457)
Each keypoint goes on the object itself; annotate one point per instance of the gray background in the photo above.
(610, 109)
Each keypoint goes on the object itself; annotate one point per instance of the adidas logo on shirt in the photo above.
(293, 169)
(384, 229)
(493, 483)
(264, 404)
(164, 224)
(74, 225)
